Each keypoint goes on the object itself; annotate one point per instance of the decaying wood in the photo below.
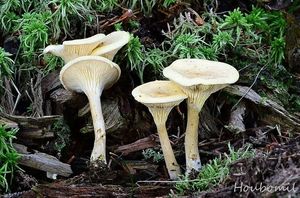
(37, 98)
(236, 120)
(113, 119)
(133, 166)
(34, 122)
(61, 95)
(61, 191)
(141, 144)
(35, 134)
(208, 125)
(51, 85)
(42, 161)
(8, 123)
(50, 82)
(28, 129)
(277, 115)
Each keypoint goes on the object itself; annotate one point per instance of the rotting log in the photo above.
(42, 161)
(8, 123)
(31, 127)
(277, 115)
(31, 133)
(34, 122)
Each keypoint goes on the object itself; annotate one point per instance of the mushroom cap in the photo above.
(86, 41)
(89, 72)
(112, 43)
(190, 72)
(158, 92)
(54, 49)
(72, 49)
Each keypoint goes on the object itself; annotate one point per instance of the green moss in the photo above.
(8, 157)
(214, 172)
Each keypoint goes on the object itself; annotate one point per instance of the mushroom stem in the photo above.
(99, 151)
(191, 140)
(160, 116)
(170, 160)
(195, 103)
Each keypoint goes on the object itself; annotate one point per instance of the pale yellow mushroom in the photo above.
(160, 97)
(198, 79)
(111, 44)
(70, 50)
(91, 75)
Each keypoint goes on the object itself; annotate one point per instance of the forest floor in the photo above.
(249, 135)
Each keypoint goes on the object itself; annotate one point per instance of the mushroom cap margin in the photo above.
(86, 41)
(158, 92)
(113, 41)
(190, 72)
(94, 66)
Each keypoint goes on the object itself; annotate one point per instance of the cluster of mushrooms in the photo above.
(191, 79)
(89, 69)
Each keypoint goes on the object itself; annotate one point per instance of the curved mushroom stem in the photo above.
(99, 149)
(160, 116)
(171, 163)
(191, 140)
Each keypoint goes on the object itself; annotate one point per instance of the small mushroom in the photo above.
(111, 44)
(70, 50)
(91, 75)
(160, 97)
(198, 79)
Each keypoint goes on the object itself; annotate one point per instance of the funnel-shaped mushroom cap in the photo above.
(70, 50)
(198, 79)
(189, 72)
(111, 44)
(93, 40)
(160, 97)
(158, 92)
(89, 73)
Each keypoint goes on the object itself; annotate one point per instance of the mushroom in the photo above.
(70, 50)
(91, 75)
(111, 44)
(160, 97)
(198, 79)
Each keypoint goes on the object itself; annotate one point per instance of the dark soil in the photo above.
(274, 165)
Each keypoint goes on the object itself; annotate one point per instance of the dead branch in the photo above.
(141, 144)
(42, 161)
(33, 122)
